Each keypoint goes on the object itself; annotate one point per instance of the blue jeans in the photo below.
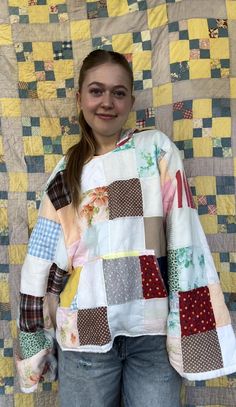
(136, 369)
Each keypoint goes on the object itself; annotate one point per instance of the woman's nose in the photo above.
(107, 100)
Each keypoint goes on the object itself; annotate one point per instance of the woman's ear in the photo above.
(78, 98)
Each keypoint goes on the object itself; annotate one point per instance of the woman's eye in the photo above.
(119, 93)
(95, 91)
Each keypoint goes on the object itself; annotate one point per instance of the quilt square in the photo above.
(122, 280)
(97, 9)
(125, 198)
(58, 192)
(201, 352)
(93, 326)
(196, 313)
(155, 238)
(152, 282)
(44, 238)
(31, 313)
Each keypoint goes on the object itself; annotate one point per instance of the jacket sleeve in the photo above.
(41, 277)
(200, 339)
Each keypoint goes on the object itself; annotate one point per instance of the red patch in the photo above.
(152, 282)
(196, 313)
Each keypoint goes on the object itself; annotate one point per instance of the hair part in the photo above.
(85, 149)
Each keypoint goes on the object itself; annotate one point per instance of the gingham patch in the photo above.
(44, 238)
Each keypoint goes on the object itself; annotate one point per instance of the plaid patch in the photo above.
(44, 238)
(58, 191)
(55, 280)
(31, 313)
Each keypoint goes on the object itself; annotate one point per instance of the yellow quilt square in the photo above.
(225, 204)
(5, 34)
(63, 69)
(42, 51)
(38, 14)
(199, 68)
(26, 72)
(205, 185)
(131, 121)
(202, 108)
(221, 126)
(69, 141)
(10, 107)
(198, 28)
(142, 61)
(117, 7)
(179, 51)
(227, 281)
(25, 400)
(46, 90)
(33, 145)
(1, 146)
(32, 217)
(157, 16)
(3, 217)
(202, 147)
(13, 329)
(219, 48)
(50, 126)
(209, 224)
(17, 253)
(235, 167)
(67, 295)
(122, 43)
(52, 2)
(182, 130)
(50, 161)
(233, 88)
(80, 30)
(231, 9)
(18, 3)
(6, 366)
(162, 95)
(18, 181)
(4, 292)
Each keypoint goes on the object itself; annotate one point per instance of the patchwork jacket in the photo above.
(131, 260)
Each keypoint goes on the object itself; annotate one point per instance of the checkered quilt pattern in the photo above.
(183, 54)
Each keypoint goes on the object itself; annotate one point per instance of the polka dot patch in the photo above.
(125, 198)
(201, 352)
(196, 314)
(93, 326)
(152, 282)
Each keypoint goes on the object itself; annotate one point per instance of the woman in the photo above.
(115, 208)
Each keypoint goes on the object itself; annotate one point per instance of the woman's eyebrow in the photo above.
(102, 84)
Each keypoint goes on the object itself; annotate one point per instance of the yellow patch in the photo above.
(42, 51)
(142, 61)
(157, 16)
(199, 68)
(17, 253)
(182, 130)
(33, 145)
(162, 95)
(205, 185)
(4, 292)
(63, 69)
(122, 43)
(5, 37)
(68, 141)
(6, 366)
(179, 51)
(198, 28)
(38, 14)
(202, 147)
(117, 7)
(231, 9)
(221, 126)
(202, 108)
(225, 204)
(80, 30)
(3, 217)
(32, 217)
(70, 289)
(50, 125)
(46, 90)
(10, 107)
(233, 88)
(18, 181)
(26, 72)
(131, 121)
(25, 400)
(50, 161)
(209, 224)
(219, 48)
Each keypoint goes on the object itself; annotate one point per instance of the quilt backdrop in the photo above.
(183, 54)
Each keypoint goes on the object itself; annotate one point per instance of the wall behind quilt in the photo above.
(183, 54)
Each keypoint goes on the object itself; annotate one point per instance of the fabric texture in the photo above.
(123, 291)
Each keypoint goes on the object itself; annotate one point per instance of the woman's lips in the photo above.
(106, 116)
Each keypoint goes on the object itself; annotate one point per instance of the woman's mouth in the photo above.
(104, 116)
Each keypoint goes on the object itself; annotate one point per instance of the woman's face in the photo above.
(106, 100)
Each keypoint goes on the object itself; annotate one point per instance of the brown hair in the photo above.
(84, 150)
